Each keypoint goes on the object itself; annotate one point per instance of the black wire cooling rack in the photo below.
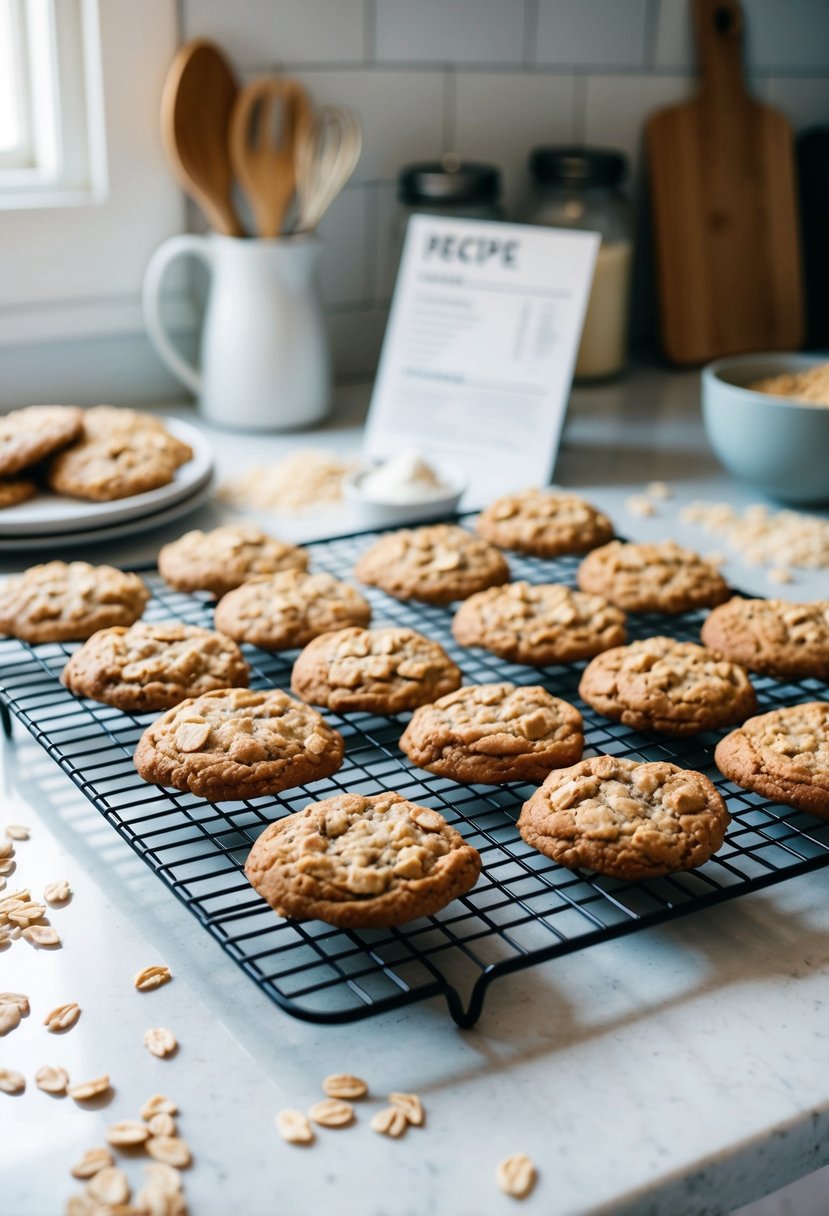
(525, 909)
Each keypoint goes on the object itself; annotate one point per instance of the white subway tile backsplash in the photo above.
(618, 107)
(500, 116)
(386, 240)
(674, 40)
(591, 33)
(463, 31)
(804, 100)
(355, 336)
(262, 32)
(344, 252)
(401, 113)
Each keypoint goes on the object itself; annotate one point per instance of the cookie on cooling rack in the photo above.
(362, 862)
(674, 688)
(35, 432)
(220, 560)
(625, 819)
(383, 671)
(120, 452)
(148, 667)
(436, 564)
(661, 577)
(783, 755)
(288, 609)
(545, 523)
(494, 733)
(238, 743)
(539, 623)
(773, 637)
(65, 602)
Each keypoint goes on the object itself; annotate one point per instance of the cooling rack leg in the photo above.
(6, 719)
(469, 1016)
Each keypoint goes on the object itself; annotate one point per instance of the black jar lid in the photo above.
(578, 166)
(448, 181)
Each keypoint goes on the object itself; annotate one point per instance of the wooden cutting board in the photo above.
(724, 208)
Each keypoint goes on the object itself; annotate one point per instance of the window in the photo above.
(51, 141)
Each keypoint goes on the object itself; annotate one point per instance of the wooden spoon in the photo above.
(196, 104)
(263, 164)
(328, 148)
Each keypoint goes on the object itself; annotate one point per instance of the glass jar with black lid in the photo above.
(578, 187)
(449, 187)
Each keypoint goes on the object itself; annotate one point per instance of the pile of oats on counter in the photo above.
(304, 481)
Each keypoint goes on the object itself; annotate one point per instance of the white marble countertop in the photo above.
(679, 1071)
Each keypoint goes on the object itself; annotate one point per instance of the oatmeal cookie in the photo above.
(674, 688)
(783, 755)
(493, 733)
(280, 611)
(121, 452)
(774, 637)
(35, 432)
(539, 623)
(238, 743)
(148, 667)
(224, 558)
(647, 577)
(362, 862)
(437, 564)
(383, 671)
(545, 523)
(65, 602)
(624, 819)
(14, 490)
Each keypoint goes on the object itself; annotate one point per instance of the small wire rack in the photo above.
(525, 909)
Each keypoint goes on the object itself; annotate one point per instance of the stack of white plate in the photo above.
(52, 520)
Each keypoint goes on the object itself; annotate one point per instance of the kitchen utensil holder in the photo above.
(524, 910)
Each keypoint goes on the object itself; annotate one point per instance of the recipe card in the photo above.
(480, 348)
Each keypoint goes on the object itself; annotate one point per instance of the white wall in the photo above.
(485, 78)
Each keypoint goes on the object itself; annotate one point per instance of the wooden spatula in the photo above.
(725, 220)
(263, 131)
(198, 97)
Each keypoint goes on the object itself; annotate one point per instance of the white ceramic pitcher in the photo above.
(264, 353)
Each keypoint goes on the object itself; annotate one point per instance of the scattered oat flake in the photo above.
(764, 537)
(52, 1080)
(159, 1041)
(109, 1186)
(344, 1085)
(390, 1121)
(638, 504)
(15, 998)
(27, 914)
(516, 1175)
(16, 831)
(9, 1018)
(169, 1149)
(62, 1017)
(411, 1106)
(152, 977)
(42, 935)
(161, 1124)
(158, 1105)
(659, 489)
(6, 849)
(331, 1112)
(57, 892)
(779, 574)
(164, 1178)
(7, 865)
(11, 1082)
(304, 480)
(126, 1132)
(90, 1089)
(93, 1160)
(294, 1126)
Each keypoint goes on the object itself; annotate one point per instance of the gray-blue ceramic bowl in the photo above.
(779, 445)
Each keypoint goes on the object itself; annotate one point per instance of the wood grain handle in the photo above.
(718, 28)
